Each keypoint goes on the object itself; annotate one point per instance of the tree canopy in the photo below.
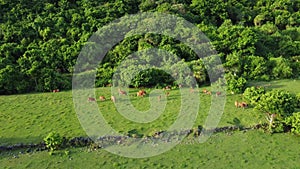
(40, 40)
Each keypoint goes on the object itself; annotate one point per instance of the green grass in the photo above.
(251, 149)
(30, 117)
(291, 85)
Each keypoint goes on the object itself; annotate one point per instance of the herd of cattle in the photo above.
(142, 93)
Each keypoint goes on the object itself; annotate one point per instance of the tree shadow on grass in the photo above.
(236, 122)
(5, 141)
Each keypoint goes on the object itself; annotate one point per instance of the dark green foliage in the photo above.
(280, 68)
(298, 100)
(256, 68)
(293, 122)
(254, 94)
(235, 84)
(40, 40)
(278, 126)
(199, 71)
(151, 78)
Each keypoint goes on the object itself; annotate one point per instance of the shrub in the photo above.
(53, 141)
(104, 75)
(277, 126)
(235, 84)
(298, 100)
(294, 122)
(253, 94)
(281, 68)
(134, 133)
(256, 68)
(278, 102)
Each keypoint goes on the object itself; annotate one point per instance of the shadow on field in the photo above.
(272, 86)
(236, 122)
(13, 141)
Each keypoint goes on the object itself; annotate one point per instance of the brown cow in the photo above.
(102, 98)
(91, 99)
(159, 98)
(55, 90)
(141, 93)
(205, 91)
(113, 99)
(218, 93)
(240, 104)
(167, 88)
(243, 104)
(236, 103)
(122, 92)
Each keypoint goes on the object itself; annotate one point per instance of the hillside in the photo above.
(40, 40)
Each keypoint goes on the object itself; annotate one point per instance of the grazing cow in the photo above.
(205, 91)
(102, 98)
(141, 93)
(244, 104)
(218, 93)
(91, 99)
(236, 103)
(113, 99)
(167, 88)
(122, 92)
(55, 90)
(240, 104)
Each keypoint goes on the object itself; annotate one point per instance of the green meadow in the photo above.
(28, 118)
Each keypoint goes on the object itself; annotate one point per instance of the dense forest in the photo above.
(40, 40)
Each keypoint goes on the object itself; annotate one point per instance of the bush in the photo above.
(253, 94)
(256, 68)
(278, 102)
(298, 100)
(294, 122)
(134, 133)
(280, 68)
(53, 141)
(277, 126)
(235, 84)
(104, 75)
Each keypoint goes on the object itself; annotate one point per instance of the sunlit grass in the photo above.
(30, 117)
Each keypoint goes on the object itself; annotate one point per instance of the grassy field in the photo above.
(251, 149)
(29, 118)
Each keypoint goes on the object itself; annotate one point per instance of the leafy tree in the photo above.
(199, 71)
(278, 102)
(256, 68)
(40, 40)
(280, 68)
(254, 94)
(235, 84)
(234, 63)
